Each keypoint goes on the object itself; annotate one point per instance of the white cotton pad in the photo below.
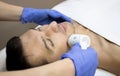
(83, 40)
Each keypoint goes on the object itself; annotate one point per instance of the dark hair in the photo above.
(15, 58)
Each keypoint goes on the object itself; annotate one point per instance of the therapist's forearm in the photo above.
(59, 68)
(10, 12)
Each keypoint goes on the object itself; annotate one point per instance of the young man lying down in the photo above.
(46, 44)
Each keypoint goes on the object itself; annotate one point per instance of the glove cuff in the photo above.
(25, 14)
(75, 61)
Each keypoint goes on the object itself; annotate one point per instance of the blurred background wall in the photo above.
(10, 29)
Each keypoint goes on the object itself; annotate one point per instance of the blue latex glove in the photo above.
(42, 16)
(85, 61)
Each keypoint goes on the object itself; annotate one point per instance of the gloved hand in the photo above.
(85, 61)
(42, 16)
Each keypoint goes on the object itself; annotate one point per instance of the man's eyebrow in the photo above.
(44, 40)
(45, 44)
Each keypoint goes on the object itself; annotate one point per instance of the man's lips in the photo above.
(63, 26)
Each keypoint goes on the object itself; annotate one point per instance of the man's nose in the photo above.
(52, 28)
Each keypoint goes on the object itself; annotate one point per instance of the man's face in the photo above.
(47, 43)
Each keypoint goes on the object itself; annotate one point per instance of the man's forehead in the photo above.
(29, 33)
